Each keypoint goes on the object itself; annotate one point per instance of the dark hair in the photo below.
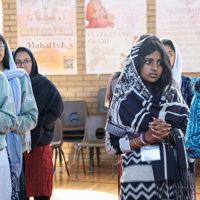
(150, 45)
(197, 85)
(6, 56)
(168, 42)
(142, 37)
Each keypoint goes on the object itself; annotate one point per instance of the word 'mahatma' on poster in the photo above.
(48, 29)
(179, 21)
(111, 28)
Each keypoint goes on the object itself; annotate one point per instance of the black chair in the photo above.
(93, 125)
(101, 108)
(73, 118)
(57, 143)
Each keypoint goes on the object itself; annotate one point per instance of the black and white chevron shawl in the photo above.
(134, 105)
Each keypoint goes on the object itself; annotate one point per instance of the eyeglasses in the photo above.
(26, 63)
(2, 47)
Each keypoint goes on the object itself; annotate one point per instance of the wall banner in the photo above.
(179, 20)
(111, 28)
(48, 28)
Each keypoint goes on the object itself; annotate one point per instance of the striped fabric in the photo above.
(137, 181)
(132, 108)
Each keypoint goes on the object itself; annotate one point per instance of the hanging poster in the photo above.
(179, 20)
(111, 28)
(48, 28)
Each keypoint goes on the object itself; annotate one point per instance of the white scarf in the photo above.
(177, 67)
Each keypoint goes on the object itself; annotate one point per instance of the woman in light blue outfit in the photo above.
(26, 110)
(7, 123)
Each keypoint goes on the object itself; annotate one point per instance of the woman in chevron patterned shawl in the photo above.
(146, 124)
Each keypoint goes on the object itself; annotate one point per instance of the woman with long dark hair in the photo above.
(146, 124)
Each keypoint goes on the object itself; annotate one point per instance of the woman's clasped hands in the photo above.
(158, 130)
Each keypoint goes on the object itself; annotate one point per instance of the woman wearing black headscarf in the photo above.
(39, 165)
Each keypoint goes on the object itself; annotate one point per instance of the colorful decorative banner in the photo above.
(179, 20)
(111, 29)
(48, 28)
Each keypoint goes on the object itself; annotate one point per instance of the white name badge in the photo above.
(150, 153)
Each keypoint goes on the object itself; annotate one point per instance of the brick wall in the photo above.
(80, 86)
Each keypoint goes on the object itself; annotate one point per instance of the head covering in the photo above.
(133, 106)
(34, 70)
(177, 67)
(129, 86)
(114, 77)
(48, 100)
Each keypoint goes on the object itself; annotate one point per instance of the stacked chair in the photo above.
(57, 143)
(93, 123)
(94, 135)
(73, 118)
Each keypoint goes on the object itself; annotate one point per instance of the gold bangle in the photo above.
(135, 143)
